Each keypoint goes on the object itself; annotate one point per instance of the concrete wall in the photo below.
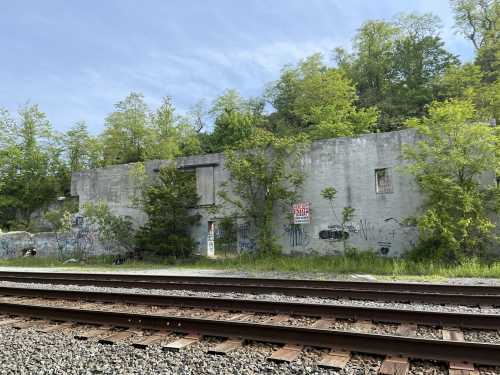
(61, 245)
(348, 164)
(116, 185)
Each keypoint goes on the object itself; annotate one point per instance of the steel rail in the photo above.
(251, 281)
(303, 291)
(441, 350)
(387, 315)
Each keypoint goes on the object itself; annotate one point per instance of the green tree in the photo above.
(161, 140)
(466, 82)
(126, 131)
(371, 66)
(319, 101)
(454, 165)
(170, 135)
(396, 66)
(83, 151)
(32, 172)
(235, 119)
(479, 21)
(168, 206)
(419, 60)
(134, 134)
(265, 178)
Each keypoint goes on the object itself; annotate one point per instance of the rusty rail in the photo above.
(478, 353)
(387, 315)
(381, 291)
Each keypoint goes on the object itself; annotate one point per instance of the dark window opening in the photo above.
(383, 181)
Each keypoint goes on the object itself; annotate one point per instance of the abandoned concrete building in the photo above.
(365, 171)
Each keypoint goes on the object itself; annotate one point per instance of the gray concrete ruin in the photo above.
(364, 171)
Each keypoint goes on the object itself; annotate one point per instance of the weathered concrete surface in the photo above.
(15, 244)
(116, 185)
(348, 164)
(82, 241)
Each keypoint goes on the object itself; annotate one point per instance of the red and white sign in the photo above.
(301, 213)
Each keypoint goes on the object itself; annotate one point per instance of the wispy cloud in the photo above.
(77, 59)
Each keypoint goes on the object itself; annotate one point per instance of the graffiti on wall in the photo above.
(6, 250)
(385, 233)
(337, 232)
(297, 235)
(80, 241)
(245, 242)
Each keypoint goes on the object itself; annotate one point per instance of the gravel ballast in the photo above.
(265, 297)
(28, 352)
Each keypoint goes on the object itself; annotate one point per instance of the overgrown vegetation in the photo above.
(399, 74)
(352, 262)
(225, 243)
(329, 193)
(114, 231)
(265, 178)
(455, 165)
(168, 204)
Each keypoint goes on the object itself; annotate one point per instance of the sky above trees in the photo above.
(77, 59)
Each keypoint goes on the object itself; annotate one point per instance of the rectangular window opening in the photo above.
(383, 181)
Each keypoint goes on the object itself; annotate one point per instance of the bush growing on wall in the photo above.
(168, 205)
(265, 175)
(454, 165)
(114, 232)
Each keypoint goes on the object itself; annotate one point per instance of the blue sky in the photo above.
(76, 59)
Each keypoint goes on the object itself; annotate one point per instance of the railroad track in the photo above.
(386, 315)
(379, 291)
(234, 325)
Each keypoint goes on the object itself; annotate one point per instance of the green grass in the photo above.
(359, 263)
(91, 262)
(362, 263)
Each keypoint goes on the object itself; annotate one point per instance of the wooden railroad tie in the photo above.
(452, 334)
(336, 359)
(276, 319)
(394, 366)
(407, 330)
(458, 368)
(226, 346)
(10, 321)
(183, 342)
(115, 337)
(48, 328)
(324, 323)
(24, 324)
(364, 326)
(142, 342)
(93, 333)
(462, 368)
(240, 317)
(288, 353)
